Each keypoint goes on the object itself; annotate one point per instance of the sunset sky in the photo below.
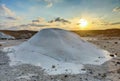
(66, 14)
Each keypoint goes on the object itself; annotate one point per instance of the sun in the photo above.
(83, 23)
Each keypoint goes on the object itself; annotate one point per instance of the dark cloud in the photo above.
(35, 25)
(38, 25)
(11, 18)
(24, 25)
(107, 23)
(117, 9)
(100, 23)
(35, 21)
(38, 20)
(116, 23)
(58, 19)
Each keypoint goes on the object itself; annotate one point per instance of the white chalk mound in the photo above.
(4, 36)
(58, 52)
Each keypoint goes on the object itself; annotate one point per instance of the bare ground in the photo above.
(109, 71)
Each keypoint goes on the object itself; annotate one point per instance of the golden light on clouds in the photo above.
(83, 23)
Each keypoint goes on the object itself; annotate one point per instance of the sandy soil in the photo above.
(111, 44)
(109, 71)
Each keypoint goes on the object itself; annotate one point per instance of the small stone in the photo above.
(66, 76)
(112, 55)
(53, 66)
(118, 62)
(116, 42)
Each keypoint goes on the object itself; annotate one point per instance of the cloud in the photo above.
(35, 21)
(8, 18)
(38, 20)
(117, 9)
(4, 11)
(7, 25)
(112, 23)
(26, 26)
(51, 2)
(41, 23)
(1, 25)
(11, 18)
(115, 23)
(58, 19)
(69, 24)
(38, 25)
(109, 23)
(29, 27)
(49, 5)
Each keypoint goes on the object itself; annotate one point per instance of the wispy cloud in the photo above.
(115, 23)
(51, 2)
(4, 11)
(117, 9)
(7, 13)
(11, 18)
(8, 18)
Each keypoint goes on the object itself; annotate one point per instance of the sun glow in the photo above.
(83, 23)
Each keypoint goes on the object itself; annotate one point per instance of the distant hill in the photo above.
(21, 34)
(25, 34)
(104, 33)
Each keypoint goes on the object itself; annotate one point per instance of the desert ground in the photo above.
(109, 71)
